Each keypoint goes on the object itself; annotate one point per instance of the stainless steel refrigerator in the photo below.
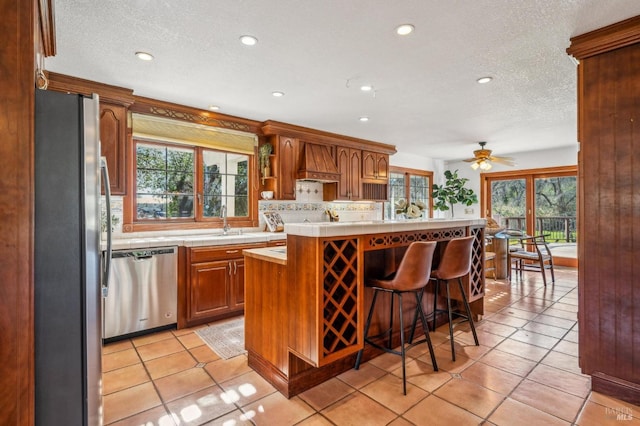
(67, 266)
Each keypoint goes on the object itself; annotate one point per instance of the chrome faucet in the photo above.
(223, 215)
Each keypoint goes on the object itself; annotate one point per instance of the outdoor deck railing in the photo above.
(558, 228)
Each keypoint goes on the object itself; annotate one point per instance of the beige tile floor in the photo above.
(525, 372)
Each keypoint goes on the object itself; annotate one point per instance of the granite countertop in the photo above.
(332, 229)
(195, 240)
(270, 254)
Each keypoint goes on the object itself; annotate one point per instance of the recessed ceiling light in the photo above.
(363, 119)
(484, 80)
(366, 88)
(278, 94)
(248, 40)
(214, 107)
(405, 29)
(144, 56)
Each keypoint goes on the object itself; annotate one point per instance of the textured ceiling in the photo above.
(319, 52)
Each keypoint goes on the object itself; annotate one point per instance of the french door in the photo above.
(536, 201)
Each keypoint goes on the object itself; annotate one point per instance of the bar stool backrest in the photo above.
(414, 270)
(456, 259)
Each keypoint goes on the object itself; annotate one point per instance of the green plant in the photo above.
(452, 192)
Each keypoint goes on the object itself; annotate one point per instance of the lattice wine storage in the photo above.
(476, 275)
(340, 296)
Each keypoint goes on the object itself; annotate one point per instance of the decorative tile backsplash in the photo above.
(116, 214)
(308, 206)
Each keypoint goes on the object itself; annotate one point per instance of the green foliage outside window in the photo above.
(165, 182)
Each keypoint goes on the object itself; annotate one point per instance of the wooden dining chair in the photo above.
(534, 255)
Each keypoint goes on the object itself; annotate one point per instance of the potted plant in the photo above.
(452, 192)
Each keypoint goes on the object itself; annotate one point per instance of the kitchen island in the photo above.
(305, 305)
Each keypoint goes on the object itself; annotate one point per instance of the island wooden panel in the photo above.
(316, 303)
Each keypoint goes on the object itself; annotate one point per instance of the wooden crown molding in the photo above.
(108, 93)
(605, 39)
(149, 106)
(271, 127)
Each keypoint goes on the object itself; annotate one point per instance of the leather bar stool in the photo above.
(454, 264)
(411, 276)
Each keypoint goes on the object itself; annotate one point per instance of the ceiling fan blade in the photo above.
(470, 160)
(507, 161)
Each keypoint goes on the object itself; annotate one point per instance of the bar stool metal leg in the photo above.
(468, 309)
(425, 327)
(402, 348)
(449, 312)
(366, 329)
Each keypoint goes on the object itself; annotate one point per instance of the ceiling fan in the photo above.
(483, 159)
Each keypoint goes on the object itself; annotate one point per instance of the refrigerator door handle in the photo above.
(106, 264)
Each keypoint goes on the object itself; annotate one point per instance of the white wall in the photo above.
(565, 156)
(413, 161)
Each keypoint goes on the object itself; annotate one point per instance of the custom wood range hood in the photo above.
(317, 164)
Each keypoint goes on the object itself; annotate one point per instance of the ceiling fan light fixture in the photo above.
(485, 165)
(475, 166)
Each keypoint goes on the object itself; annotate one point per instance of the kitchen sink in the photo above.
(228, 234)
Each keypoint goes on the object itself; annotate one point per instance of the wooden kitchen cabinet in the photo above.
(214, 283)
(375, 167)
(349, 162)
(362, 166)
(210, 289)
(114, 130)
(113, 137)
(284, 166)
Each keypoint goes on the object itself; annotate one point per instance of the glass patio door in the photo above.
(509, 203)
(555, 213)
(537, 201)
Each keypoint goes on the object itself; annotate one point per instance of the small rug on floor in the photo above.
(226, 339)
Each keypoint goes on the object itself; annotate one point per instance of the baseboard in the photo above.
(616, 387)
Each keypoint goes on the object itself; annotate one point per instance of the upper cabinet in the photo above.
(282, 165)
(352, 169)
(287, 167)
(349, 165)
(114, 125)
(113, 137)
(375, 167)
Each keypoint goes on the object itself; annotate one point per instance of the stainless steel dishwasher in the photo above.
(142, 293)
